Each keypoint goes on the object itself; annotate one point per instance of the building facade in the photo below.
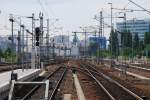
(85, 50)
(63, 46)
(100, 41)
(135, 27)
(61, 39)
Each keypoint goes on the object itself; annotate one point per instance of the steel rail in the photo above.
(99, 83)
(38, 86)
(113, 81)
(57, 85)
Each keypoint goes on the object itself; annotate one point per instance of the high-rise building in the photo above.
(135, 27)
(63, 41)
(100, 41)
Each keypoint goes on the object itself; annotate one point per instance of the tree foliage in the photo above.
(1, 53)
(93, 47)
(147, 38)
(136, 42)
(114, 44)
(126, 43)
(147, 43)
(126, 39)
(8, 52)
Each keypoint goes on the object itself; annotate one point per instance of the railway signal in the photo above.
(37, 33)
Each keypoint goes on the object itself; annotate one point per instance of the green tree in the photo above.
(126, 42)
(1, 54)
(8, 52)
(147, 38)
(93, 48)
(147, 43)
(114, 44)
(136, 42)
(127, 39)
(141, 45)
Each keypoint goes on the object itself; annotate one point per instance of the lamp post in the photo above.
(23, 27)
(111, 27)
(133, 38)
(33, 26)
(13, 75)
(85, 46)
(100, 31)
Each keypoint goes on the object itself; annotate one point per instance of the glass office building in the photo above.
(135, 26)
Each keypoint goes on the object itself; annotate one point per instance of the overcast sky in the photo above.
(71, 13)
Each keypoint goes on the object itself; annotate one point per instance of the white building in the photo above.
(61, 42)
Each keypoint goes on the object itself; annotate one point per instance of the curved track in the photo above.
(113, 89)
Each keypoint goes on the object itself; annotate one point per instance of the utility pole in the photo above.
(133, 38)
(68, 44)
(123, 46)
(59, 50)
(19, 49)
(33, 27)
(125, 20)
(53, 48)
(85, 49)
(47, 40)
(100, 36)
(22, 26)
(20, 44)
(85, 45)
(33, 42)
(111, 28)
(26, 54)
(12, 41)
(41, 39)
(65, 51)
(70, 51)
(97, 44)
(13, 75)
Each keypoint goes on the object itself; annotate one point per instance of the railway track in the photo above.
(36, 92)
(139, 72)
(113, 89)
(131, 66)
(93, 89)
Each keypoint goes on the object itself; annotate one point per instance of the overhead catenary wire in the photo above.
(43, 8)
(139, 6)
(126, 5)
(49, 8)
